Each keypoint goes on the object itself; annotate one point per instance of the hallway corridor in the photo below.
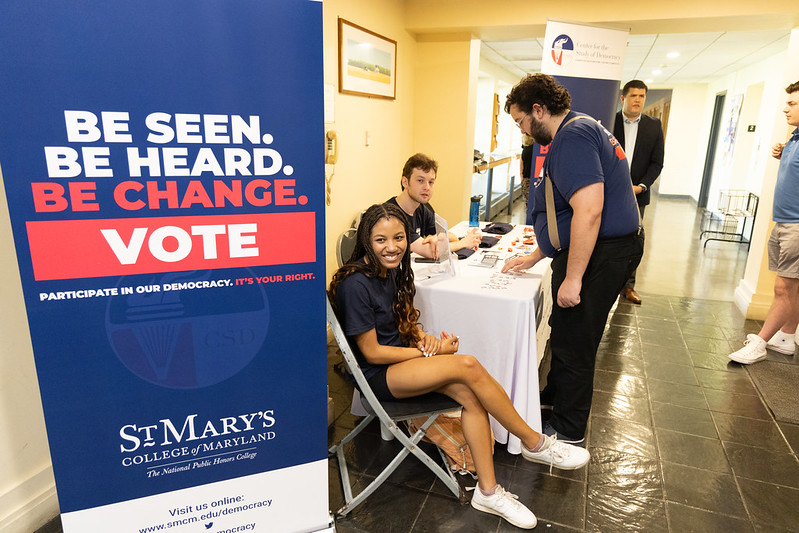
(680, 438)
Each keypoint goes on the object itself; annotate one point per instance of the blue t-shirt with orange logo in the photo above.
(583, 153)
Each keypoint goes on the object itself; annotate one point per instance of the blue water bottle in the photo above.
(474, 211)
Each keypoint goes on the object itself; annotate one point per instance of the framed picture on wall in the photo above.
(367, 62)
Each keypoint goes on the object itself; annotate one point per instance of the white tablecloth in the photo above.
(494, 316)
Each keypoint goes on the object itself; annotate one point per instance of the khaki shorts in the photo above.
(783, 250)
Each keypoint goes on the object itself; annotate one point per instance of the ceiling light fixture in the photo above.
(672, 55)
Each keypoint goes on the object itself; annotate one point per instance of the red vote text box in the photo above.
(71, 249)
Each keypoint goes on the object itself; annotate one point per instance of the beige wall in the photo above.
(446, 98)
(365, 175)
(755, 291)
(433, 113)
(746, 149)
(27, 490)
(686, 141)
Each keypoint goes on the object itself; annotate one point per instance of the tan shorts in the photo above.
(783, 250)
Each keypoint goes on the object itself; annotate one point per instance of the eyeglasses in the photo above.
(519, 122)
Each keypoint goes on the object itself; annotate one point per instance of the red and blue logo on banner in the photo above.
(562, 49)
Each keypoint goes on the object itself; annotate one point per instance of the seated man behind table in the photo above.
(418, 179)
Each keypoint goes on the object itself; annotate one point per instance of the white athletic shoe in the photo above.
(506, 505)
(558, 454)
(754, 350)
(783, 343)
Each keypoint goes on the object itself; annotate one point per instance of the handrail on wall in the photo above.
(490, 166)
(494, 163)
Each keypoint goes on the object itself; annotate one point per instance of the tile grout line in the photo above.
(654, 431)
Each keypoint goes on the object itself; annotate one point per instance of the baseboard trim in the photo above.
(759, 308)
(753, 306)
(29, 505)
(677, 197)
(743, 296)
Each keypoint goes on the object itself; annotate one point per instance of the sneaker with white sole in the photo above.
(783, 343)
(552, 432)
(558, 454)
(503, 503)
(754, 350)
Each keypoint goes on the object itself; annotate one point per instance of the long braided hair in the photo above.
(405, 314)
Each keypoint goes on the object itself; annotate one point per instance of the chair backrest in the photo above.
(345, 245)
(346, 241)
(357, 220)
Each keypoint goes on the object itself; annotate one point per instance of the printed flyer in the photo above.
(163, 166)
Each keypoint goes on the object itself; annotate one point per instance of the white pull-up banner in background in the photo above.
(588, 61)
(163, 165)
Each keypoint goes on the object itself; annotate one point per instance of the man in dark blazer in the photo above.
(641, 136)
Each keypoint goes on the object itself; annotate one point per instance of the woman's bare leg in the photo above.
(423, 375)
(477, 431)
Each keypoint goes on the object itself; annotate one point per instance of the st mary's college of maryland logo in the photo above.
(562, 49)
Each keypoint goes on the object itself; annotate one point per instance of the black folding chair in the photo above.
(390, 414)
(345, 245)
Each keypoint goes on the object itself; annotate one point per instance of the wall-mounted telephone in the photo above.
(331, 148)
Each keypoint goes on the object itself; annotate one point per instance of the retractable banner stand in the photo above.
(163, 165)
(588, 61)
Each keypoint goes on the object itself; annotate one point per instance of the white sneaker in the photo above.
(783, 343)
(754, 350)
(558, 454)
(506, 505)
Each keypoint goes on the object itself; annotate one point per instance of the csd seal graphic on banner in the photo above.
(176, 332)
(562, 50)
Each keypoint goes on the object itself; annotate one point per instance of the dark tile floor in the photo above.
(680, 438)
(680, 441)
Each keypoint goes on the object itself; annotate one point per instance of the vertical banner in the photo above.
(163, 165)
(588, 61)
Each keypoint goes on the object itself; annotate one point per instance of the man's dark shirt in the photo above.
(422, 222)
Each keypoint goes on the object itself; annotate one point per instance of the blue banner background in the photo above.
(248, 58)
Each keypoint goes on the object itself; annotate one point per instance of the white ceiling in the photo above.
(702, 58)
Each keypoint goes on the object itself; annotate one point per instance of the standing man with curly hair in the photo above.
(588, 223)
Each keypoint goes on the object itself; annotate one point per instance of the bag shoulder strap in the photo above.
(552, 219)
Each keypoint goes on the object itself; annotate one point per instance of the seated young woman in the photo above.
(372, 295)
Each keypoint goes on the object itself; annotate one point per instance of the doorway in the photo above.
(710, 156)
